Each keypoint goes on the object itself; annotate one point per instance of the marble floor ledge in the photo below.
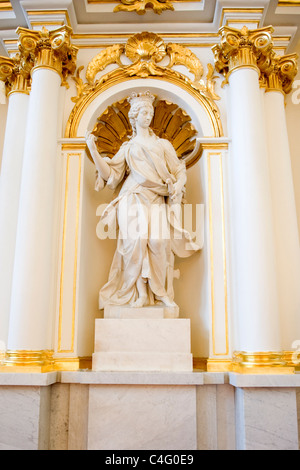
(87, 376)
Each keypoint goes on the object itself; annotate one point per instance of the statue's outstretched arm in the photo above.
(101, 165)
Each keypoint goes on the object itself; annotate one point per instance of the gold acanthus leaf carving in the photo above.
(180, 55)
(110, 55)
(139, 6)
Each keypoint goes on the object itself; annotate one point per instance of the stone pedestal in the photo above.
(142, 344)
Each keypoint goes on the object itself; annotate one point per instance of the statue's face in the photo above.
(145, 116)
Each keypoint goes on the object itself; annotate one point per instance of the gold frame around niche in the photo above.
(146, 51)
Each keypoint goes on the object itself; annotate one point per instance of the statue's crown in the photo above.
(146, 97)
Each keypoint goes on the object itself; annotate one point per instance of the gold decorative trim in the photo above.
(61, 292)
(289, 3)
(212, 256)
(219, 365)
(72, 363)
(41, 362)
(28, 361)
(73, 146)
(292, 359)
(5, 6)
(147, 50)
(271, 362)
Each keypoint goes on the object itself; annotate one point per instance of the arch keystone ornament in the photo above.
(140, 6)
(146, 51)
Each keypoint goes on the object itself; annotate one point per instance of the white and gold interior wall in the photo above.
(81, 262)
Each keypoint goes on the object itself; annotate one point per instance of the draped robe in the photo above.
(149, 226)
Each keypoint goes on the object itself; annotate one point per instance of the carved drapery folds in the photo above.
(255, 48)
(50, 49)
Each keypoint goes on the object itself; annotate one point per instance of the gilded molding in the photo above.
(146, 51)
(49, 49)
(139, 6)
(28, 361)
(243, 48)
(261, 362)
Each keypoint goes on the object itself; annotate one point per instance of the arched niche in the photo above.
(94, 255)
(204, 114)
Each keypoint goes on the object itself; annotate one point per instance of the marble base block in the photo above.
(151, 312)
(142, 345)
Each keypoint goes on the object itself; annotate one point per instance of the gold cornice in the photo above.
(49, 49)
(243, 48)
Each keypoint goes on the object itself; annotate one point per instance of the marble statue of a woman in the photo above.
(152, 177)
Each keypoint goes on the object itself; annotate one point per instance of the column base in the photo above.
(28, 361)
(260, 363)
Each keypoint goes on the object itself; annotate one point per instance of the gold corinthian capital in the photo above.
(281, 74)
(49, 49)
(243, 48)
(15, 73)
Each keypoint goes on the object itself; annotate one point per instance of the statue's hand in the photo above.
(177, 192)
(90, 138)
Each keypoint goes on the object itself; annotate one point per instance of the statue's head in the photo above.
(137, 102)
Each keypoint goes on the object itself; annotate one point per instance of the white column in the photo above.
(10, 183)
(285, 218)
(32, 290)
(255, 296)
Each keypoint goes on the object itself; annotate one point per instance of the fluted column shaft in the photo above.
(17, 86)
(242, 56)
(33, 293)
(279, 82)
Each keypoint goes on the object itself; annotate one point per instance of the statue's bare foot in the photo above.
(140, 302)
(167, 301)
